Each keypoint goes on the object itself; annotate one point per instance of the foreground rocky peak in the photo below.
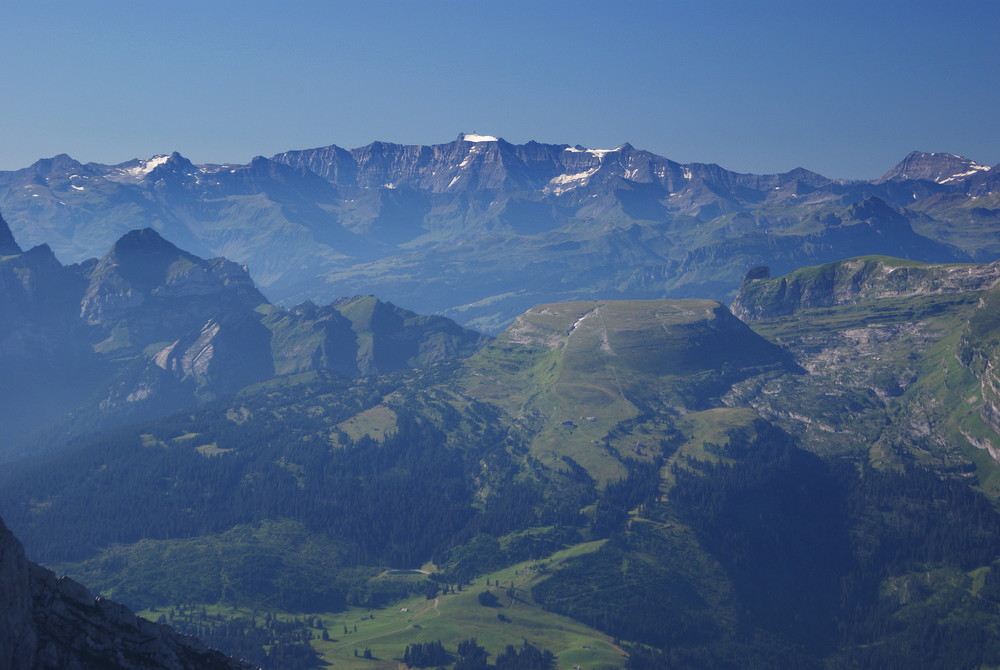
(50, 623)
(146, 262)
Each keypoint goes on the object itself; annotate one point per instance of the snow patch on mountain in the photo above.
(473, 150)
(567, 182)
(147, 166)
(479, 138)
(135, 171)
(975, 167)
(597, 153)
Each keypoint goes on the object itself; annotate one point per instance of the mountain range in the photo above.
(480, 230)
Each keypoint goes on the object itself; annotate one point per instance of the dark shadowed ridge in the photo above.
(8, 246)
(48, 622)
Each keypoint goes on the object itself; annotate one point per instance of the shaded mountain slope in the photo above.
(149, 328)
(725, 481)
(51, 622)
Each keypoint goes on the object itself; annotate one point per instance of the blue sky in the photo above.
(843, 88)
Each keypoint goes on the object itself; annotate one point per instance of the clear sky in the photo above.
(843, 88)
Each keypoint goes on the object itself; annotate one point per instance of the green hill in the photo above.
(595, 381)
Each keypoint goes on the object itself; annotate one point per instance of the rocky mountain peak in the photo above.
(332, 163)
(872, 208)
(942, 168)
(142, 258)
(142, 265)
(142, 240)
(172, 164)
(55, 165)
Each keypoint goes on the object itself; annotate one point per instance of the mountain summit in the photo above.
(937, 167)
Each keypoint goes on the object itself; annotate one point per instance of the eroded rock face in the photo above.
(54, 623)
(144, 269)
(854, 281)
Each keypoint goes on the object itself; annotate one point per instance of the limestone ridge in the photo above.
(854, 281)
(50, 623)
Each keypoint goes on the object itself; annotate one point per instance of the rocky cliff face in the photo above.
(160, 290)
(853, 281)
(869, 331)
(68, 332)
(50, 623)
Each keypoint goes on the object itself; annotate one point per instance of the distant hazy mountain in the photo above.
(149, 328)
(937, 167)
(480, 229)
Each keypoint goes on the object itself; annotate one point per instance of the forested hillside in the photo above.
(817, 491)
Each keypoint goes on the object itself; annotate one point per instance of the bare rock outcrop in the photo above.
(854, 281)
